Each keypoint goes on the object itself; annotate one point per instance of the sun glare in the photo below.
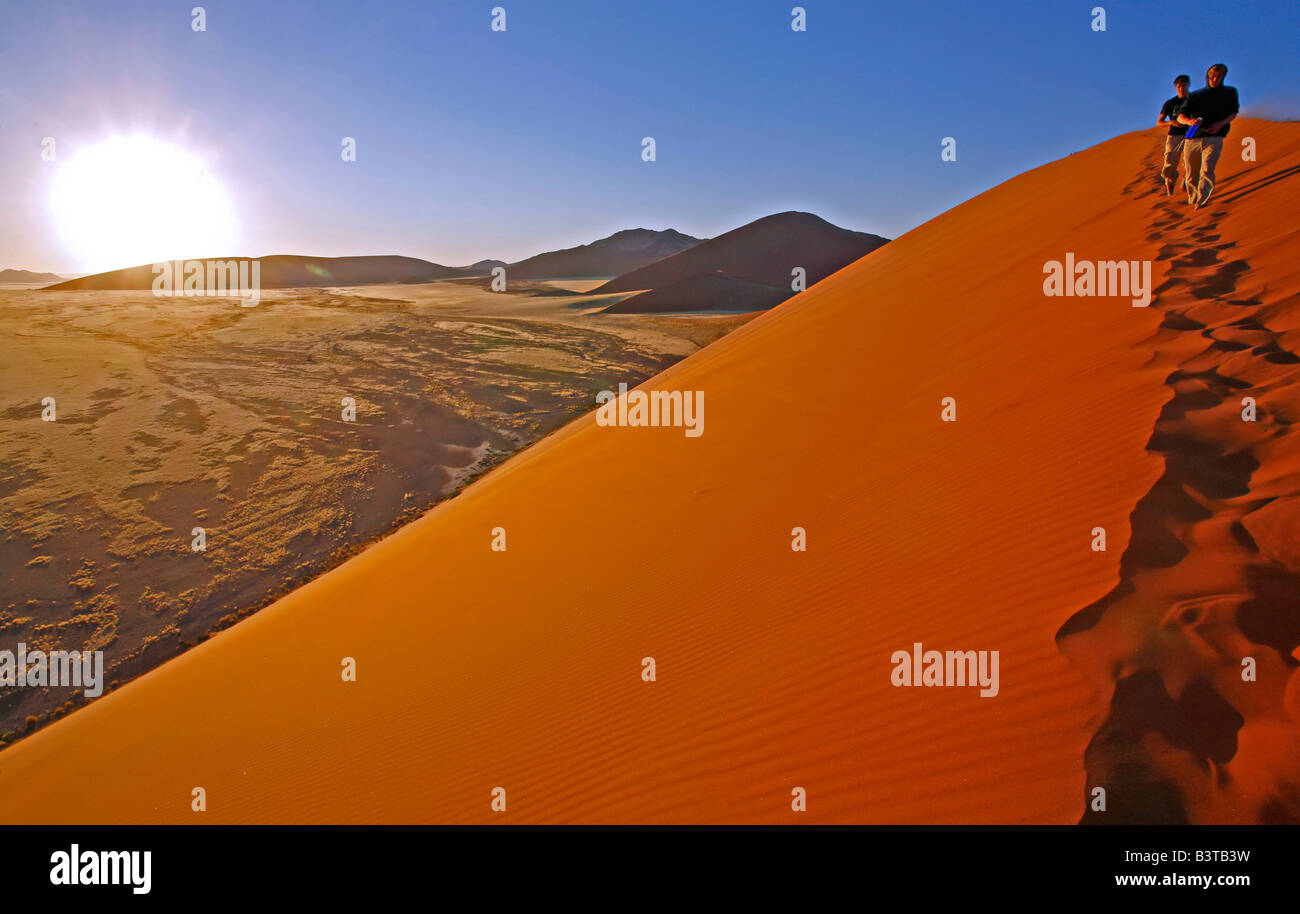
(131, 200)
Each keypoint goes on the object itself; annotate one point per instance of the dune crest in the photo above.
(1211, 576)
(619, 253)
(280, 271)
(522, 669)
(761, 252)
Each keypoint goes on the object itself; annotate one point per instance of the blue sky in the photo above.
(473, 143)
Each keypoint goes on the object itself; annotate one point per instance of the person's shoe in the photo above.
(1169, 188)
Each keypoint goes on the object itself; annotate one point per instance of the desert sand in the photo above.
(521, 669)
(179, 413)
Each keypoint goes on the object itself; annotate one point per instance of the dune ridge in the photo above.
(285, 271)
(521, 669)
(703, 292)
(762, 252)
(619, 253)
(1212, 572)
(27, 276)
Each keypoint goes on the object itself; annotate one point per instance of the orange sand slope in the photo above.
(522, 669)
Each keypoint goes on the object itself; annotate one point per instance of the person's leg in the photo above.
(1173, 146)
(1212, 148)
(1191, 167)
(1178, 157)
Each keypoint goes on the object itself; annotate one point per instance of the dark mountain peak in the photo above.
(618, 253)
(764, 251)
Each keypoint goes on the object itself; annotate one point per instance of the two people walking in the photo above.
(1198, 122)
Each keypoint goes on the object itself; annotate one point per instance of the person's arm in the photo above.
(1219, 125)
(1232, 108)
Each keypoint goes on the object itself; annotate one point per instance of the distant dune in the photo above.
(764, 251)
(612, 256)
(484, 266)
(522, 669)
(27, 276)
(288, 271)
(704, 292)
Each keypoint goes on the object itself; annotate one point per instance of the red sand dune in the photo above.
(521, 669)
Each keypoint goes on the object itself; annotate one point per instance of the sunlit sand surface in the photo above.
(178, 413)
(480, 669)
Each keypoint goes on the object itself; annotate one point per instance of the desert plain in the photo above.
(174, 414)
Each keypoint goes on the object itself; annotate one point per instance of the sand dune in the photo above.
(764, 251)
(703, 292)
(27, 277)
(288, 271)
(1212, 572)
(521, 669)
(621, 252)
(230, 418)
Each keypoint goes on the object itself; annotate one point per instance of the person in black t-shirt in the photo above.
(1174, 141)
(1211, 111)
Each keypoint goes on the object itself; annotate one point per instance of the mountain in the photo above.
(764, 251)
(776, 669)
(612, 256)
(28, 276)
(484, 266)
(281, 271)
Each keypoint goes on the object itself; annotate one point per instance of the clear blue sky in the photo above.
(473, 143)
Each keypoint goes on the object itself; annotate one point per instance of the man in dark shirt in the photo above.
(1211, 111)
(1174, 141)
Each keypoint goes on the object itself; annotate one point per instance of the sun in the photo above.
(132, 200)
